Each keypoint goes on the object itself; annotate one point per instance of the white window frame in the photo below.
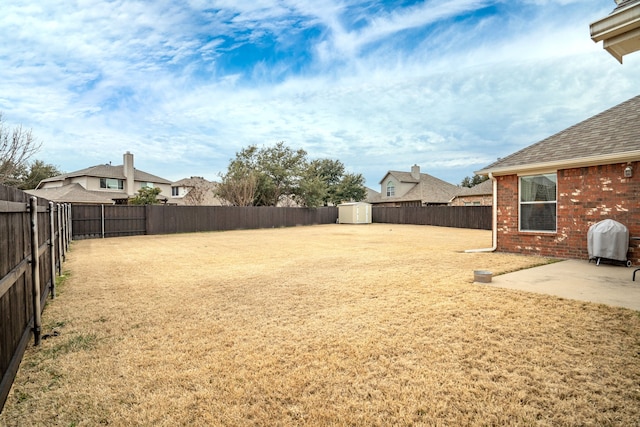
(112, 184)
(391, 189)
(548, 205)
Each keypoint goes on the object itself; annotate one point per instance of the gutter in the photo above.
(494, 219)
(624, 157)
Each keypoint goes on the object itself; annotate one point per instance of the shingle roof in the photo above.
(429, 189)
(484, 188)
(75, 193)
(373, 196)
(192, 182)
(613, 132)
(109, 171)
(402, 176)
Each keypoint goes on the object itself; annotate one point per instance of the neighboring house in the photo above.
(478, 195)
(372, 195)
(550, 193)
(412, 189)
(72, 193)
(194, 191)
(620, 30)
(113, 184)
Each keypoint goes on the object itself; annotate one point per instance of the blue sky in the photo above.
(379, 85)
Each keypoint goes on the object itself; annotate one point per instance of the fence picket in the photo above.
(28, 256)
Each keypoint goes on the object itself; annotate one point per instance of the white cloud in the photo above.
(98, 79)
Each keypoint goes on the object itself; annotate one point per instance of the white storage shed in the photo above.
(354, 213)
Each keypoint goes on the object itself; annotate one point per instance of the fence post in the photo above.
(60, 248)
(35, 269)
(65, 227)
(102, 219)
(52, 247)
(63, 230)
(69, 224)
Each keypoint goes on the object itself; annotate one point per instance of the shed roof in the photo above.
(354, 204)
(608, 137)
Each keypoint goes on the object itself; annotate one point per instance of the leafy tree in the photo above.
(280, 168)
(271, 172)
(351, 188)
(17, 145)
(146, 196)
(312, 191)
(330, 172)
(276, 174)
(473, 181)
(38, 170)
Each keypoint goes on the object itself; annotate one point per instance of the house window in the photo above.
(175, 191)
(147, 185)
(391, 189)
(538, 202)
(111, 183)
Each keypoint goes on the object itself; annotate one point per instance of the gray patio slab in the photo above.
(578, 280)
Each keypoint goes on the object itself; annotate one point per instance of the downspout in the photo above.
(494, 219)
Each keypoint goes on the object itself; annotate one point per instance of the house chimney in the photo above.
(415, 172)
(128, 171)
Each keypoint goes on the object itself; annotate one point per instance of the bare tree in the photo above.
(238, 189)
(201, 192)
(16, 147)
(195, 196)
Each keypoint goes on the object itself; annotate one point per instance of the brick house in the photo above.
(550, 193)
(478, 195)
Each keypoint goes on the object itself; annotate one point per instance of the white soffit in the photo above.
(619, 31)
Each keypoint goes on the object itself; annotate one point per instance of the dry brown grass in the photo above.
(364, 325)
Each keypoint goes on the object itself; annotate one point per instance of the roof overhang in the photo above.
(628, 156)
(619, 31)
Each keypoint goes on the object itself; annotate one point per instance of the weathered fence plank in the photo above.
(29, 254)
(111, 221)
(114, 220)
(476, 217)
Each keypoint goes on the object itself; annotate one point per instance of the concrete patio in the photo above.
(578, 280)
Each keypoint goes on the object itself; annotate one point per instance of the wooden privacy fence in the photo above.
(477, 217)
(92, 221)
(95, 221)
(34, 237)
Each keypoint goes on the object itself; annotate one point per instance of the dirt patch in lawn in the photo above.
(357, 325)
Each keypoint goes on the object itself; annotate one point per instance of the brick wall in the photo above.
(585, 196)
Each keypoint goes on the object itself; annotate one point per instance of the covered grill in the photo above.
(608, 240)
